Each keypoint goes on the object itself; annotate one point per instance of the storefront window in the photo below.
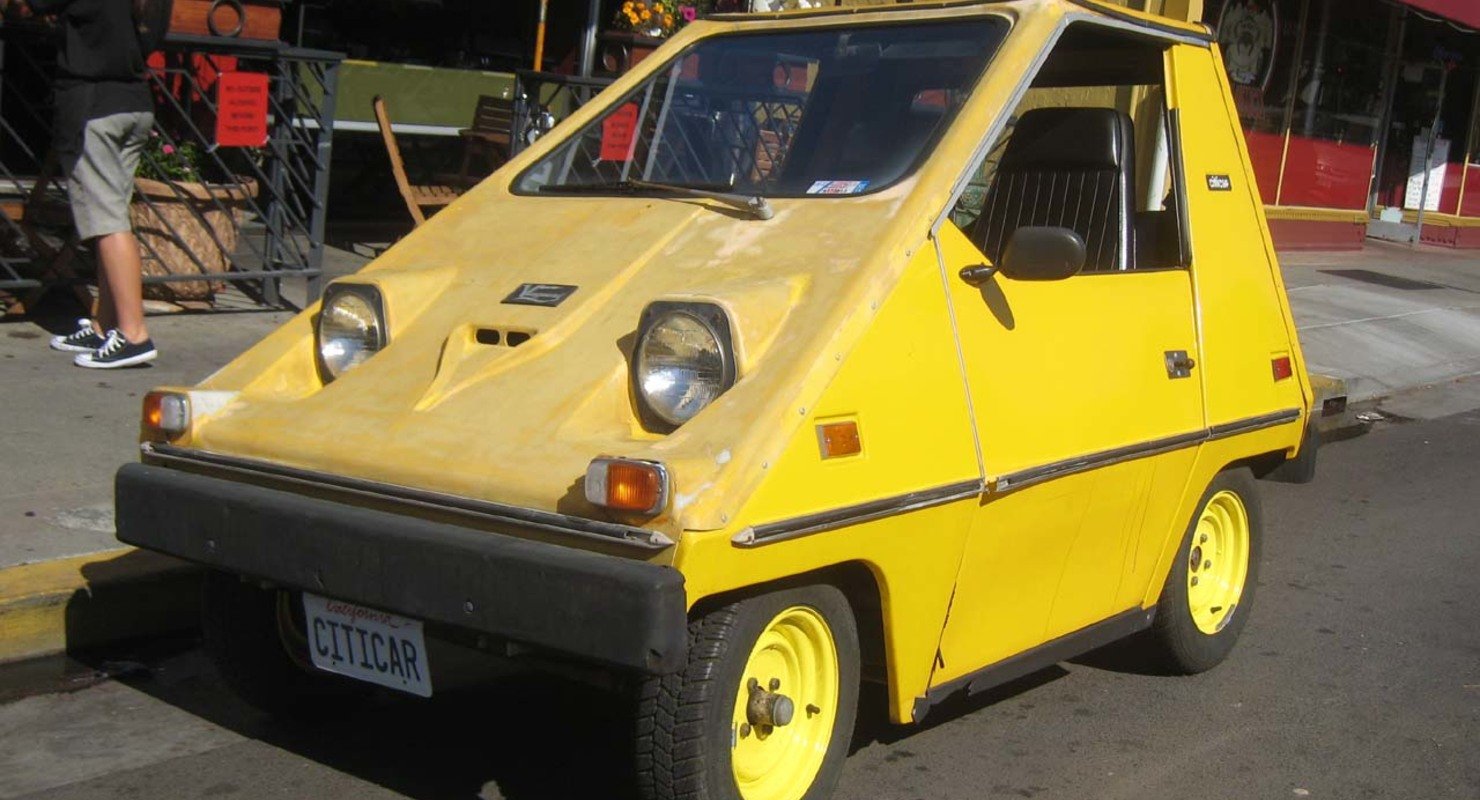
(1436, 77)
(1338, 105)
(1258, 39)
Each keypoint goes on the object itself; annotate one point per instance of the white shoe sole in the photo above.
(86, 361)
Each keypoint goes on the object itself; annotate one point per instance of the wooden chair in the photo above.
(416, 196)
(488, 137)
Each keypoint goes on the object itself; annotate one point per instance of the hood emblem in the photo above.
(540, 294)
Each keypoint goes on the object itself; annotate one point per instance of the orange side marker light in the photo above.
(838, 439)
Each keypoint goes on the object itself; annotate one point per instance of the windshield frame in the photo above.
(815, 25)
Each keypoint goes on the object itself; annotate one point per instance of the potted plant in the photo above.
(640, 26)
(185, 225)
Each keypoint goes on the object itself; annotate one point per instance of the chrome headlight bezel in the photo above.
(717, 323)
(371, 296)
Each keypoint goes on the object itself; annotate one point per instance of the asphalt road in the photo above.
(1358, 676)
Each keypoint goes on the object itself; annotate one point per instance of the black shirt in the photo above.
(100, 70)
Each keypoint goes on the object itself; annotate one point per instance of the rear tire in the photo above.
(1202, 610)
(695, 738)
(248, 632)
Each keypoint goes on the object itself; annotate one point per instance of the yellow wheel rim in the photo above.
(794, 658)
(1218, 561)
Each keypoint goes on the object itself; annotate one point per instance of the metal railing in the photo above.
(542, 99)
(259, 221)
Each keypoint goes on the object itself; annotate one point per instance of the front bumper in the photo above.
(616, 611)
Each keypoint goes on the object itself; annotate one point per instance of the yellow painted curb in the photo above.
(52, 606)
(1315, 214)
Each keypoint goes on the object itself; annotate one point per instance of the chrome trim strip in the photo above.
(757, 535)
(770, 532)
(1226, 429)
(1105, 458)
(484, 510)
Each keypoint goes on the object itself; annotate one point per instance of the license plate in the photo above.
(367, 644)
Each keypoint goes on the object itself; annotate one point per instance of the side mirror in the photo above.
(1043, 254)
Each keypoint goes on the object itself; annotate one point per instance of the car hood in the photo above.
(443, 407)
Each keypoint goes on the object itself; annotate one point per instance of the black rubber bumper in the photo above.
(615, 611)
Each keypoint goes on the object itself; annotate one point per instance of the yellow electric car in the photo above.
(925, 344)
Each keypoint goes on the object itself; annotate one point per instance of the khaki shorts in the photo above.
(100, 179)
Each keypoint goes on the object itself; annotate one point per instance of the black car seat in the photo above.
(1066, 167)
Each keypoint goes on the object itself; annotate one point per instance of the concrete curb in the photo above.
(1334, 416)
(69, 604)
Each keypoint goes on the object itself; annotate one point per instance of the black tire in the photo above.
(684, 719)
(244, 639)
(1175, 641)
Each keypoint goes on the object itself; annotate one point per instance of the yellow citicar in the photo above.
(926, 345)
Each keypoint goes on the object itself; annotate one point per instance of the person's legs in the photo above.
(107, 319)
(100, 185)
(120, 270)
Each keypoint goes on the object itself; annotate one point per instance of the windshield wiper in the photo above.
(753, 204)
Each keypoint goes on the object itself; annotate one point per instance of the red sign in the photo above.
(617, 132)
(241, 109)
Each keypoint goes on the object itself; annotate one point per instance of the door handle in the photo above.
(1179, 364)
(977, 275)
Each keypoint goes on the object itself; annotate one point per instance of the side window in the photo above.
(1090, 148)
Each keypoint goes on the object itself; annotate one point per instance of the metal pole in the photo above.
(588, 39)
(1428, 155)
(1317, 70)
(539, 38)
(1389, 95)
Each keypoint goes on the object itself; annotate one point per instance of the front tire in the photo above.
(1209, 592)
(764, 707)
(254, 638)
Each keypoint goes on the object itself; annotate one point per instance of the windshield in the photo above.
(820, 112)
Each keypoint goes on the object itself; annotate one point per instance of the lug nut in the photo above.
(775, 684)
(1194, 580)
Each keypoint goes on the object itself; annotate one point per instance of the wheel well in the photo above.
(857, 583)
(1261, 465)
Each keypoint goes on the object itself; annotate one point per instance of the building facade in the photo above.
(1344, 102)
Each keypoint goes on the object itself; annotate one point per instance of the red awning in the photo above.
(1465, 12)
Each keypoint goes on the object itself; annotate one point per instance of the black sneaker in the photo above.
(82, 340)
(117, 352)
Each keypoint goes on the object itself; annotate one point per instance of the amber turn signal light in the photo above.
(621, 484)
(838, 439)
(166, 416)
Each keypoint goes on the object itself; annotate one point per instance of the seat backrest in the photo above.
(1066, 167)
(393, 151)
(493, 114)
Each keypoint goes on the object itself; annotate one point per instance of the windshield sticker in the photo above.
(616, 133)
(837, 187)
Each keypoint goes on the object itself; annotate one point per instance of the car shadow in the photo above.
(874, 725)
(525, 737)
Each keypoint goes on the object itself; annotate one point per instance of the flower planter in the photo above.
(187, 228)
(623, 50)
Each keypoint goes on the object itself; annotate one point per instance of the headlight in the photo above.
(683, 361)
(351, 328)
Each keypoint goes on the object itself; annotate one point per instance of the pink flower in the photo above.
(688, 13)
(168, 149)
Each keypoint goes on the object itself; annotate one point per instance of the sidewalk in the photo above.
(1385, 320)
(1389, 318)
